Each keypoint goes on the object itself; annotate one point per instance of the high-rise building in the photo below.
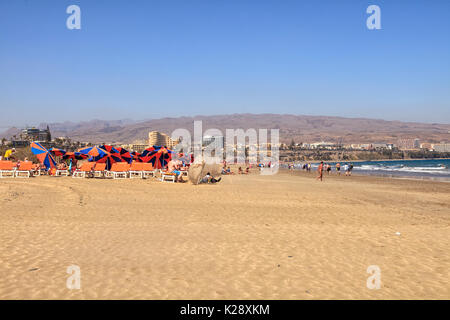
(35, 134)
(408, 144)
(156, 138)
(442, 147)
(216, 141)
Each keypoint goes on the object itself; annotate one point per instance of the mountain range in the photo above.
(299, 128)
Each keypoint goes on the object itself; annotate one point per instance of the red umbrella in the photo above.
(75, 155)
(159, 158)
(125, 154)
(93, 151)
(109, 148)
(118, 152)
(147, 151)
(57, 152)
(107, 158)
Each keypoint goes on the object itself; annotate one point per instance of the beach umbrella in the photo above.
(93, 151)
(43, 155)
(159, 158)
(75, 155)
(107, 158)
(125, 154)
(109, 148)
(118, 152)
(150, 150)
(136, 156)
(57, 152)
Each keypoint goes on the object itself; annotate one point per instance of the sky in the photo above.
(167, 58)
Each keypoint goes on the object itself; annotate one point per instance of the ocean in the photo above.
(432, 169)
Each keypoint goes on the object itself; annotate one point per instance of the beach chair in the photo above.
(25, 170)
(6, 169)
(84, 170)
(35, 170)
(136, 170)
(61, 173)
(99, 170)
(148, 170)
(168, 176)
(119, 170)
(184, 171)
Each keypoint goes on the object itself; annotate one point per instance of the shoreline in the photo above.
(368, 175)
(385, 173)
(334, 161)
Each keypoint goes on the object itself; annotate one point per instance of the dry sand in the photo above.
(250, 237)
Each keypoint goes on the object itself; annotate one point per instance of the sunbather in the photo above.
(174, 167)
(210, 179)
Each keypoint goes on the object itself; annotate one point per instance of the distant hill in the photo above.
(292, 127)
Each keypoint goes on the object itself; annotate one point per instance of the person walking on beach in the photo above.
(338, 168)
(320, 171)
(350, 168)
(346, 169)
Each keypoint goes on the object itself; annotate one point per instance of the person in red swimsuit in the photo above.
(320, 171)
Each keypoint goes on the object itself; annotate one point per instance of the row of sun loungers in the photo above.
(120, 170)
(26, 169)
(123, 170)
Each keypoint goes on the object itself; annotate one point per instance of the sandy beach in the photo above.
(285, 236)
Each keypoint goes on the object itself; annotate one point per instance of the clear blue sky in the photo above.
(150, 59)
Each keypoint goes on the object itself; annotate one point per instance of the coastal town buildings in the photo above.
(156, 138)
(442, 147)
(408, 144)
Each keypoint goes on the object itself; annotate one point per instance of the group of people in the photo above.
(227, 170)
(327, 167)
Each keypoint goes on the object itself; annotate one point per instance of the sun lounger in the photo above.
(6, 169)
(84, 170)
(148, 170)
(136, 170)
(25, 170)
(99, 170)
(36, 171)
(168, 176)
(119, 170)
(184, 171)
(61, 173)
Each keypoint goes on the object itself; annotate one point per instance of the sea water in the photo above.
(428, 168)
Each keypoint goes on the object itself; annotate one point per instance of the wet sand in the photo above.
(249, 237)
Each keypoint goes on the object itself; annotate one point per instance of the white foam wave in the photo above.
(400, 168)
